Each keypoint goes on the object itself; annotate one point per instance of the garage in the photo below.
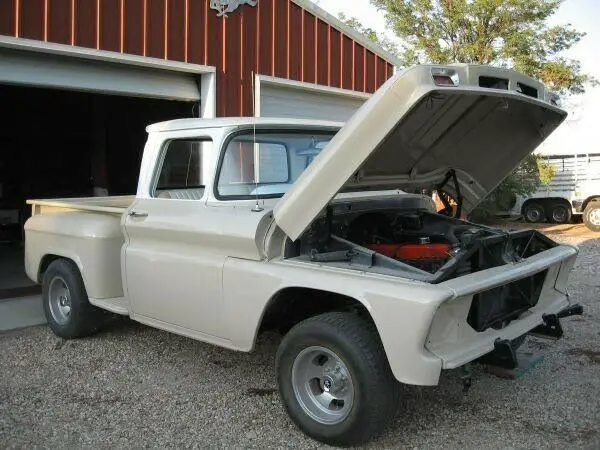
(285, 98)
(75, 126)
(79, 85)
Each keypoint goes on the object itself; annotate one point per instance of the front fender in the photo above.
(402, 310)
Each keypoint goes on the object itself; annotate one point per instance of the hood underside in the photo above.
(410, 134)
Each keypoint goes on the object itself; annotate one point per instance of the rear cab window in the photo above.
(182, 173)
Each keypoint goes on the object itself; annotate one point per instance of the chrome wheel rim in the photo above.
(322, 385)
(559, 214)
(59, 299)
(594, 217)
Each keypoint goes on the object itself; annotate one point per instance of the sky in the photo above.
(578, 133)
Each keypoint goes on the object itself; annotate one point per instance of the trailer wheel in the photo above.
(591, 216)
(534, 213)
(560, 213)
(68, 311)
(334, 379)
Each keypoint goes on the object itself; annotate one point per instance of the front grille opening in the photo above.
(493, 83)
(527, 90)
(497, 307)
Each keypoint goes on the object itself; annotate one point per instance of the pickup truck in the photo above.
(322, 231)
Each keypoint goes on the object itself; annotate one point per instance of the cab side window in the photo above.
(181, 175)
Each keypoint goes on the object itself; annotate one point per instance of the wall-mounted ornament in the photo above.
(227, 6)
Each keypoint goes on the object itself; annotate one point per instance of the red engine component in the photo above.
(428, 257)
(413, 252)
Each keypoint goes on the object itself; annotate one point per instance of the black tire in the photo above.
(82, 319)
(560, 213)
(534, 213)
(591, 216)
(375, 390)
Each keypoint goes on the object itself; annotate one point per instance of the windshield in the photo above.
(266, 165)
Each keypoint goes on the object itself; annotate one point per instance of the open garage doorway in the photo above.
(57, 143)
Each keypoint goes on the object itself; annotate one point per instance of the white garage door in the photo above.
(304, 101)
(51, 71)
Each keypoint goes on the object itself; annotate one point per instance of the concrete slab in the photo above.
(21, 312)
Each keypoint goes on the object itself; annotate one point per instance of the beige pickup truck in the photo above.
(322, 231)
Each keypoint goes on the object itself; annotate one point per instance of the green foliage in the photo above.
(523, 181)
(384, 42)
(546, 170)
(508, 33)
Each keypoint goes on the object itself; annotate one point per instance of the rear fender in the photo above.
(92, 241)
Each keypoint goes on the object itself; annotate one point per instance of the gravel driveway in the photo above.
(132, 386)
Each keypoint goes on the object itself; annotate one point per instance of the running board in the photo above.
(115, 305)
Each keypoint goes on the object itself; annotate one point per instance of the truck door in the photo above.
(173, 279)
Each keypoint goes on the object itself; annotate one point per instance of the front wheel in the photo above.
(591, 216)
(334, 379)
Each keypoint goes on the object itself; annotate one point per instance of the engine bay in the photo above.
(404, 235)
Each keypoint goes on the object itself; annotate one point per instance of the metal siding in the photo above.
(8, 16)
(370, 73)
(281, 42)
(347, 63)
(85, 23)
(359, 68)
(32, 14)
(197, 32)
(109, 20)
(232, 68)
(133, 27)
(266, 34)
(277, 37)
(309, 52)
(249, 58)
(381, 72)
(155, 28)
(335, 52)
(59, 21)
(176, 30)
(214, 35)
(322, 52)
(295, 42)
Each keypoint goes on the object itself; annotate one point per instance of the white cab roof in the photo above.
(191, 124)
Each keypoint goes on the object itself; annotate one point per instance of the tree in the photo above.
(381, 40)
(507, 33)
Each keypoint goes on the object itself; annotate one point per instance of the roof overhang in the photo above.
(50, 48)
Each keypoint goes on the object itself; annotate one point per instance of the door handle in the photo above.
(136, 214)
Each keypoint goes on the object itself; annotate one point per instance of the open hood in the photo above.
(413, 132)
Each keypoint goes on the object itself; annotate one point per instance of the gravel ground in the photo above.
(132, 386)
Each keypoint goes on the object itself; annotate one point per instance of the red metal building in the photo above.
(80, 80)
(285, 39)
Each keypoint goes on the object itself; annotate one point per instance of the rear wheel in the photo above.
(591, 216)
(68, 311)
(534, 212)
(334, 379)
(560, 213)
